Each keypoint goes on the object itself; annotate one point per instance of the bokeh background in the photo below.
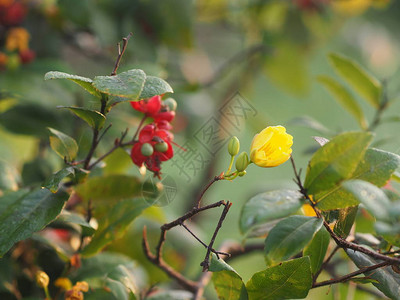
(258, 59)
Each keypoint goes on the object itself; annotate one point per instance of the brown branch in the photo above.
(159, 262)
(351, 275)
(342, 243)
(215, 179)
(121, 52)
(206, 262)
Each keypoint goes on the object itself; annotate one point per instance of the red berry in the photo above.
(27, 56)
(13, 15)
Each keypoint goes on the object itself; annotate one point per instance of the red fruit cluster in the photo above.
(154, 143)
(311, 5)
(16, 38)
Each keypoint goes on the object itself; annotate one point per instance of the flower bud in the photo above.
(147, 149)
(241, 174)
(242, 162)
(233, 146)
(42, 279)
(161, 147)
(170, 103)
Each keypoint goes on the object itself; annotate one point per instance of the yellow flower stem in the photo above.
(227, 173)
(46, 292)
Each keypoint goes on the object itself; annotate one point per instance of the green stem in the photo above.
(230, 166)
(46, 292)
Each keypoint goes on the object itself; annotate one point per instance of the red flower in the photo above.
(150, 107)
(164, 116)
(154, 146)
(13, 14)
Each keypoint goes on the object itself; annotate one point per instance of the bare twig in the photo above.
(121, 52)
(351, 275)
(215, 179)
(206, 262)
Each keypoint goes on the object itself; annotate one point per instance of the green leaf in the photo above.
(336, 161)
(269, 206)
(359, 79)
(345, 221)
(316, 250)
(70, 217)
(388, 280)
(289, 237)
(26, 213)
(227, 282)
(372, 197)
(94, 118)
(30, 119)
(113, 225)
(84, 82)
(390, 232)
(289, 280)
(345, 98)
(64, 145)
(122, 283)
(52, 183)
(109, 188)
(376, 167)
(128, 84)
(154, 86)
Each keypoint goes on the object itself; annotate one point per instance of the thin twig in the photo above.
(121, 52)
(159, 262)
(351, 275)
(215, 179)
(205, 263)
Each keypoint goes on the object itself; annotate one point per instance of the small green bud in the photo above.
(242, 162)
(170, 103)
(241, 174)
(161, 147)
(233, 146)
(147, 149)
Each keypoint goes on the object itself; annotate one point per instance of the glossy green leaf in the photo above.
(154, 86)
(359, 79)
(390, 232)
(336, 161)
(388, 280)
(52, 183)
(127, 84)
(372, 197)
(114, 224)
(345, 221)
(64, 145)
(376, 167)
(27, 213)
(227, 282)
(268, 206)
(289, 237)
(316, 250)
(84, 82)
(345, 98)
(289, 280)
(94, 118)
(109, 188)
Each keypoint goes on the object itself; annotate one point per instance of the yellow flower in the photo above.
(271, 147)
(42, 279)
(17, 39)
(64, 283)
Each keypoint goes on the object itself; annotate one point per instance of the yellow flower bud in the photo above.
(271, 147)
(233, 146)
(242, 162)
(82, 286)
(63, 283)
(42, 279)
(17, 39)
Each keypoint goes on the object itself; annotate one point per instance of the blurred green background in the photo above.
(264, 55)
